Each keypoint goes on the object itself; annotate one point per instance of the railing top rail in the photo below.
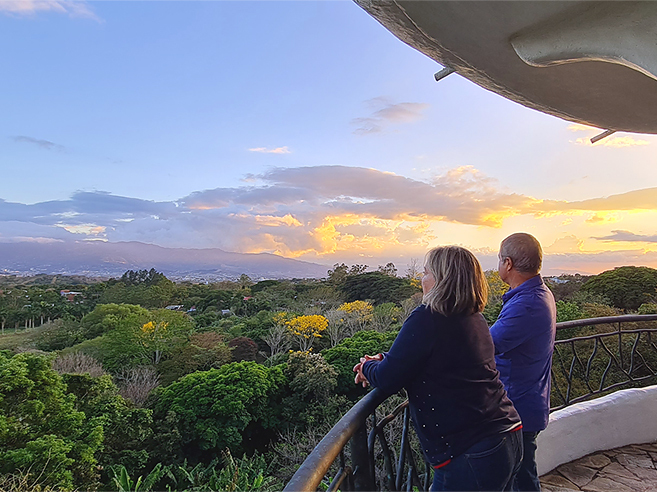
(310, 473)
(625, 318)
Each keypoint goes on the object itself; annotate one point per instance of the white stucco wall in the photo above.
(621, 418)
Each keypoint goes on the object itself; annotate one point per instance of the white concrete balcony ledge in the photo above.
(602, 445)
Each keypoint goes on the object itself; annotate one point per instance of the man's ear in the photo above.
(509, 265)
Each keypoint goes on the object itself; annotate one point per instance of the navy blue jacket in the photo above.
(524, 340)
(447, 366)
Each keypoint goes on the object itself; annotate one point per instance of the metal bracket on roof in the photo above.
(602, 135)
(443, 73)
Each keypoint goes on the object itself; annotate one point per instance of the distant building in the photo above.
(175, 307)
(557, 280)
(69, 294)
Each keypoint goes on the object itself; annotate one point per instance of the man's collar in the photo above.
(526, 285)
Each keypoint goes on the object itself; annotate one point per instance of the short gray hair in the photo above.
(525, 252)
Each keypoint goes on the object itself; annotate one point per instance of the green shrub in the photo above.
(348, 352)
(647, 308)
(236, 407)
(567, 311)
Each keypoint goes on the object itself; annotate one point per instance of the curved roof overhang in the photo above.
(593, 63)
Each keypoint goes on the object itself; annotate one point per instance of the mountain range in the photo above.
(105, 259)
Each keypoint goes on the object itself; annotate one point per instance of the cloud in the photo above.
(645, 199)
(576, 127)
(310, 212)
(627, 236)
(386, 113)
(277, 150)
(74, 8)
(614, 141)
(44, 144)
(566, 244)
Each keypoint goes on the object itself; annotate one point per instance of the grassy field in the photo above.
(22, 338)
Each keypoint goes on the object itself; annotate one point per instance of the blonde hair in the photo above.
(460, 287)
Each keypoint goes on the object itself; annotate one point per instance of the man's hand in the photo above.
(358, 369)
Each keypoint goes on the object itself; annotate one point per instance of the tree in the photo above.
(385, 316)
(389, 269)
(127, 431)
(414, 273)
(278, 337)
(204, 351)
(232, 407)
(567, 311)
(626, 287)
(338, 274)
(356, 315)
(42, 434)
(145, 337)
(311, 400)
(245, 281)
(142, 277)
(347, 353)
(341, 271)
(306, 329)
(323, 295)
(107, 317)
(149, 289)
(337, 328)
(243, 348)
(377, 287)
(496, 286)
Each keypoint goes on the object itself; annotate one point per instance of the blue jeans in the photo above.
(527, 478)
(489, 465)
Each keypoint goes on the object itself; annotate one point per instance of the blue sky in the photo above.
(300, 128)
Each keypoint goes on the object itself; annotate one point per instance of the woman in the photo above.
(444, 358)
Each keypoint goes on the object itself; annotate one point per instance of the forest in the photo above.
(141, 383)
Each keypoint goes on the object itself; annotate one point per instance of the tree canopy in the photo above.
(626, 287)
(41, 432)
(377, 286)
(212, 409)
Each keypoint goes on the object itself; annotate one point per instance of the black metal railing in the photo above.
(603, 360)
(598, 362)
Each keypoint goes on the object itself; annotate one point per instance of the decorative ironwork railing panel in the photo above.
(383, 453)
(613, 352)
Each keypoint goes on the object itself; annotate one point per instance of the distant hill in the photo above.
(103, 259)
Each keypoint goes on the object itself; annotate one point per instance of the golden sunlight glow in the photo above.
(271, 220)
(615, 142)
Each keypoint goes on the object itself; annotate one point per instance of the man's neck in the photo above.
(519, 279)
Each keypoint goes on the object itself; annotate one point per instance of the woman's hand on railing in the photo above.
(358, 369)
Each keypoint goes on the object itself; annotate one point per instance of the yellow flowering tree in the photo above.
(145, 338)
(305, 329)
(154, 339)
(496, 286)
(357, 315)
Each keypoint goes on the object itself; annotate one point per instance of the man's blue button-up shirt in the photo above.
(524, 340)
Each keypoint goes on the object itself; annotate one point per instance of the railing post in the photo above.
(620, 346)
(363, 479)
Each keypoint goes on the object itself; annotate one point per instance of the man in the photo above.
(524, 340)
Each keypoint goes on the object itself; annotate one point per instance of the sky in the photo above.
(299, 128)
